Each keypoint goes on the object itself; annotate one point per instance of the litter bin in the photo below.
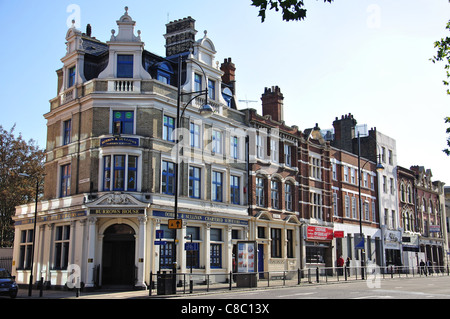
(246, 280)
(164, 284)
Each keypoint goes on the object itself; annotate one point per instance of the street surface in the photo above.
(400, 288)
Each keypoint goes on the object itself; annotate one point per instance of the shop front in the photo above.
(318, 246)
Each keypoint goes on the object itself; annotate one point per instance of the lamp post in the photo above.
(38, 181)
(379, 167)
(206, 111)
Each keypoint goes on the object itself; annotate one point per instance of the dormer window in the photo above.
(212, 89)
(124, 66)
(71, 77)
(164, 73)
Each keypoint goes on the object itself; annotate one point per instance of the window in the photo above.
(391, 185)
(216, 248)
(234, 190)
(194, 182)
(287, 155)
(234, 147)
(275, 194)
(124, 66)
(217, 142)
(347, 206)
(261, 232)
(192, 256)
(390, 157)
(123, 122)
(335, 205)
(216, 256)
(365, 179)
(346, 174)
(314, 163)
(354, 207)
(65, 181)
(164, 72)
(383, 154)
(260, 191)
(212, 89)
(366, 210)
(197, 82)
(120, 173)
(274, 149)
(384, 184)
(217, 181)
(259, 146)
(316, 205)
(334, 168)
(276, 242)
(374, 213)
(67, 129)
(166, 251)
(288, 196)
(195, 135)
(26, 249)
(62, 236)
(72, 77)
(227, 96)
(290, 243)
(168, 178)
(352, 171)
(372, 182)
(168, 128)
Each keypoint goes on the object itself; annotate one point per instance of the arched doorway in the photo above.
(118, 260)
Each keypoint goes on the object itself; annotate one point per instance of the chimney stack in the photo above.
(180, 36)
(344, 132)
(272, 103)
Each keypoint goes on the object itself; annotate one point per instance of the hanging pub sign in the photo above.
(246, 257)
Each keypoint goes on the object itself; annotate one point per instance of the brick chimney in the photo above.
(180, 36)
(344, 132)
(272, 103)
(229, 70)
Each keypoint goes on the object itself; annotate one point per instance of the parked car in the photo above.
(8, 285)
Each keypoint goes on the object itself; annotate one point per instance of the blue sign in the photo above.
(160, 243)
(191, 246)
(159, 234)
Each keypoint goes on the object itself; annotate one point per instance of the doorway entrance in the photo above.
(118, 262)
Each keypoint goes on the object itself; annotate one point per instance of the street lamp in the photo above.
(206, 111)
(379, 168)
(38, 181)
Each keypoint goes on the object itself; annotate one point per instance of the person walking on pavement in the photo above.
(422, 267)
(340, 264)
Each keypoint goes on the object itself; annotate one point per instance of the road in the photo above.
(404, 288)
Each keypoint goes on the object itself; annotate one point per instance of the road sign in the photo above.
(191, 246)
(359, 242)
(159, 234)
(175, 223)
(159, 242)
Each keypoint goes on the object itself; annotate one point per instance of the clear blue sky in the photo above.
(368, 58)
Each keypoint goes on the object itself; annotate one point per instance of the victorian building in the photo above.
(111, 155)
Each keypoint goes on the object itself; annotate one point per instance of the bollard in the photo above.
(317, 274)
(41, 286)
(151, 284)
(231, 277)
(345, 271)
(298, 276)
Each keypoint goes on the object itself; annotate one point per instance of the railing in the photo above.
(188, 283)
(6, 262)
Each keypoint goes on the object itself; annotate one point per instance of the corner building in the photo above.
(110, 166)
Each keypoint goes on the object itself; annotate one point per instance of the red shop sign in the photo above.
(319, 233)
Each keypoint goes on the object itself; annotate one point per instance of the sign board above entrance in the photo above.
(319, 233)
(114, 211)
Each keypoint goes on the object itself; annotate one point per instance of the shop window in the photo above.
(290, 243)
(276, 242)
(61, 253)
(216, 256)
(26, 248)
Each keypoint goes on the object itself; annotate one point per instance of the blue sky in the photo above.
(369, 58)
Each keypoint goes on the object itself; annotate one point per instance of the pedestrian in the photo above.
(429, 267)
(422, 267)
(347, 266)
(340, 264)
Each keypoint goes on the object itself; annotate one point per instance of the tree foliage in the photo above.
(292, 10)
(17, 156)
(443, 54)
